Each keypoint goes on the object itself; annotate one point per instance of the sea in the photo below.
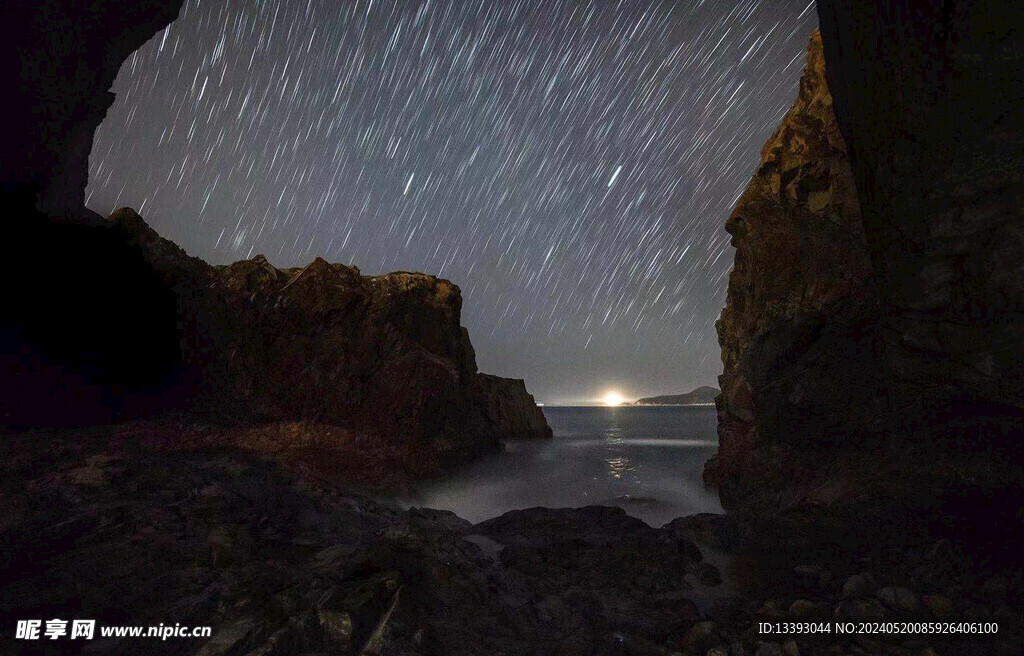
(647, 460)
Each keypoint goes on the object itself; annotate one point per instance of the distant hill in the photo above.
(700, 396)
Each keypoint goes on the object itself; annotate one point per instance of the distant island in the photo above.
(701, 396)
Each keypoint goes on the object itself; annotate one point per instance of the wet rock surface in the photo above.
(125, 526)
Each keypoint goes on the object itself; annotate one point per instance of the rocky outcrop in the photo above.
(798, 333)
(382, 356)
(507, 404)
(104, 320)
(872, 338)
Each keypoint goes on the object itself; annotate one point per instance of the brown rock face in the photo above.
(507, 404)
(105, 319)
(383, 356)
(798, 338)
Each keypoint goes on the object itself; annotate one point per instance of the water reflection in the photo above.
(618, 462)
(646, 460)
(617, 466)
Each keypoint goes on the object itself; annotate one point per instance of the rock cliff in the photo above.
(507, 404)
(928, 96)
(383, 356)
(872, 332)
(798, 331)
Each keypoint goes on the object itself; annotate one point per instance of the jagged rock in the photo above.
(875, 310)
(926, 99)
(798, 359)
(510, 408)
(383, 357)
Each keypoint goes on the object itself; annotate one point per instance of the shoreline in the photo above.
(632, 405)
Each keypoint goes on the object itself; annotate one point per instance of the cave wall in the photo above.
(873, 337)
(103, 319)
(87, 330)
(62, 60)
(929, 96)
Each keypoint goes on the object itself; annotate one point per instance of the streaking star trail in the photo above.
(570, 165)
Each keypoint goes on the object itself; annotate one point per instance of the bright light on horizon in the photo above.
(612, 399)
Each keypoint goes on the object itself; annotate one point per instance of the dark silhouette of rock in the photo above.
(701, 396)
(927, 95)
(80, 306)
(383, 356)
(872, 335)
(63, 58)
(508, 405)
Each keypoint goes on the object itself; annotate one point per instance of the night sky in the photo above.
(569, 164)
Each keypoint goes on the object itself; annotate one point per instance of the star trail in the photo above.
(569, 164)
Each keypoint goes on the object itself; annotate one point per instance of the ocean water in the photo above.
(647, 460)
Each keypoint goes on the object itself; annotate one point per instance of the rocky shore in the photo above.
(870, 417)
(127, 526)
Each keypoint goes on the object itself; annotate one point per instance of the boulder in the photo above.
(860, 585)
